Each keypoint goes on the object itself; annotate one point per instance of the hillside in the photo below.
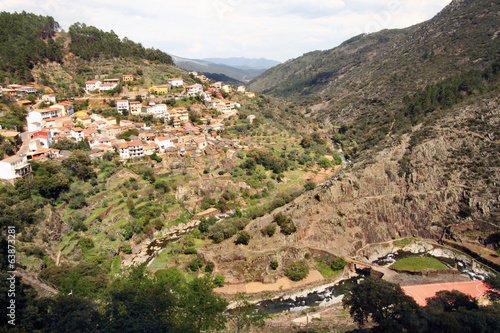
(417, 111)
(361, 83)
(241, 62)
(207, 67)
(32, 49)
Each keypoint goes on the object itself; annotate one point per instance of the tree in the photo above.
(51, 186)
(385, 302)
(297, 271)
(243, 238)
(244, 315)
(493, 282)
(80, 165)
(338, 263)
(202, 310)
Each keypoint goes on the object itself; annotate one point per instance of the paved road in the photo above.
(25, 148)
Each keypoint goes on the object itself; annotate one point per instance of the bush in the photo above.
(274, 265)
(219, 280)
(285, 222)
(196, 264)
(309, 185)
(190, 250)
(163, 186)
(324, 162)
(189, 241)
(209, 268)
(297, 271)
(269, 230)
(243, 238)
(338, 263)
(126, 248)
(77, 202)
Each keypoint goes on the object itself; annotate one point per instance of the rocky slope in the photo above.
(417, 185)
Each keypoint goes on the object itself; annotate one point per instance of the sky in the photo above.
(272, 29)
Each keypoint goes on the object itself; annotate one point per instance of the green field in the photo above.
(418, 264)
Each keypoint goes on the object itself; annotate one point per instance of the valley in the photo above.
(132, 183)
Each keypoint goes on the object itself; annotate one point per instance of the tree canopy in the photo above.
(88, 42)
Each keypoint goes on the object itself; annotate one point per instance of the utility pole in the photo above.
(307, 322)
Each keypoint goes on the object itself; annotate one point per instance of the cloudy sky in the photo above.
(273, 29)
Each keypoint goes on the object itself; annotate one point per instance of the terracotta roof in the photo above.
(135, 143)
(122, 145)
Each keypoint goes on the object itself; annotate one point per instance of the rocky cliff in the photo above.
(439, 175)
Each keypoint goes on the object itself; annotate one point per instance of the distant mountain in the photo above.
(362, 83)
(242, 73)
(224, 78)
(242, 62)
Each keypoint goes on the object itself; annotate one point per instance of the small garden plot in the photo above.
(418, 264)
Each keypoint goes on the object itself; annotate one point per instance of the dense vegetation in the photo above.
(135, 302)
(361, 85)
(26, 40)
(88, 42)
(391, 310)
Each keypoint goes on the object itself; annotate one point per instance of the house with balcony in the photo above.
(14, 167)
(194, 90)
(121, 105)
(130, 149)
(135, 107)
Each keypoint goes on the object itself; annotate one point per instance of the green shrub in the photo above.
(297, 271)
(189, 241)
(285, 222)
(309, 185)
(219, 280)
(126, 248)
(86, 243)
(190, 250)
(269, 230)
(338, 263)
(243, 238)
(196, 264)
(209, 268)
(274, 265)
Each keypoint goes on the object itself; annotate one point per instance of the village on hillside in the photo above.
(189, 131)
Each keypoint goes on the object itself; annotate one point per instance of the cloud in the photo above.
(224, 28)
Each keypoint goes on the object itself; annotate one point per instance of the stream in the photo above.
(333, 293)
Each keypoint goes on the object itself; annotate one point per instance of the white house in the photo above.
(164, 142)
(122, 104)
(207, 96)
(77, 133)
(67, 108)
(194, 90)
(92, 85)
(135, 107)
(14, 167)
(107, 86)
(50, 98)
(217, 85)
(130, 149)
(43, 137)
(176, 82)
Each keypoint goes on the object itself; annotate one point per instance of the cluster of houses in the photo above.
(46, 126)
(17, 90)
